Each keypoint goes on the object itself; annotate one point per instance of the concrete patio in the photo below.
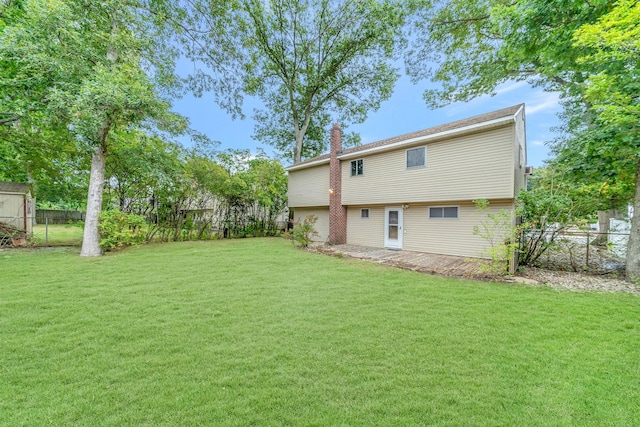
(445, 265)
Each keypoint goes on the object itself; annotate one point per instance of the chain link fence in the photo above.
(588, 250)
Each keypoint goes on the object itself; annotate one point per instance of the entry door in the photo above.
(393, 227)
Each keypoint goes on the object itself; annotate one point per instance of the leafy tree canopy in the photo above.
(310, 62)
(470, 47)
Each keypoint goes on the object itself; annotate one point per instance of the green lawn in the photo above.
(255, 332)
(57, 234)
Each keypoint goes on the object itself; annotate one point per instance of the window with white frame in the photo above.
(364, 213)
(357, 167)
(443, 212)
(416, 157)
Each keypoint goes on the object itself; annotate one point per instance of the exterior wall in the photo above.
(448, 236)
(365, 231)
(12, 210)
(463, 168)
(309, 187)
(322, 225)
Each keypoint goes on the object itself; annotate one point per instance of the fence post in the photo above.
(46, 231)
(587, 266)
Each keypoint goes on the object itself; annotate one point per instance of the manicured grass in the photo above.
(255, 332)
(58, 235)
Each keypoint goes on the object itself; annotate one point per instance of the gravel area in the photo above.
(576, 281)
(565, 267)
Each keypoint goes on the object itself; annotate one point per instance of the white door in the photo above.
(393, 227)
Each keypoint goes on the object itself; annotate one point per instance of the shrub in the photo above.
(303, 232)
(498, 231)
(118, 229)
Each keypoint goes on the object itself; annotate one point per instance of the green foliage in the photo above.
(477, 45)
(552, 204)
(119, 229)
(90, 69)
(310, 62)
(303, 232)
(611, 47)
(501, 235)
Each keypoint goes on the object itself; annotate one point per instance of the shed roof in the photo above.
(14, 187)
(429, 132)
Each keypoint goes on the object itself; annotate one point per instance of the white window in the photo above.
(357, 167)
(364, 213)
(443, 212)
(416, 157)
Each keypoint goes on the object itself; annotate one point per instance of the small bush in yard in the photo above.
(498, 230)
(303, 232)
(118, 229)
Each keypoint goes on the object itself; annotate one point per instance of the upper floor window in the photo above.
(357, 167)
(364, 213)
(416, 157)
(443, 212)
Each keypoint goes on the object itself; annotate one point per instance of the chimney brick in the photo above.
(337, 212)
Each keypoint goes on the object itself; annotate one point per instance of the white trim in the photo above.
(452, 132)
(307, 165)
(356, 174)
(395, 243)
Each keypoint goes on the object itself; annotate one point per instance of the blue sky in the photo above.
(404, 112)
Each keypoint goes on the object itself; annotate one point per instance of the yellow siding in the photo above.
(309, 187)
(322, 225)
(365, 231)
(463, 168)
(447, 236)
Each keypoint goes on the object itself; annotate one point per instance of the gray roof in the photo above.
(498, 114)
(14, 187)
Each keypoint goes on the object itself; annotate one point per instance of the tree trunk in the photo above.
(604, 218)
(297, 149)
(633, 248)
(91, 238)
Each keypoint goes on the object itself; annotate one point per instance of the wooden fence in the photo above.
(57, 216)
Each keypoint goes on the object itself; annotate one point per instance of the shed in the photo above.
(17, 209)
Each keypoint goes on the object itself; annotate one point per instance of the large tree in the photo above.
(310, 62)
(612, 47)
(469, 47)
(89, 66)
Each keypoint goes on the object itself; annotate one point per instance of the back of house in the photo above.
(415, 191)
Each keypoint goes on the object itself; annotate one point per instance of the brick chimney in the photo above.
(337, 212)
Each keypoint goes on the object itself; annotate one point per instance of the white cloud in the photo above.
(546, 102)
(510, 86)
(537, 142)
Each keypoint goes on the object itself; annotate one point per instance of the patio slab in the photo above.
(445, 265)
